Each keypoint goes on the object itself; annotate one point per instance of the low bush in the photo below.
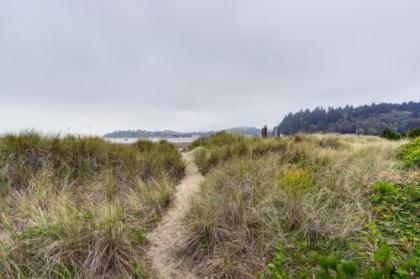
(395, 208)
(390, 134)
(410, 154)
(330, 267)
(414, 133)
(386, 247)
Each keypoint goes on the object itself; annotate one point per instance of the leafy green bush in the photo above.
(277, 266)
(384, 191)
(410, 154)
(396, 213)
(414, 133)
(332, 267)
(389, 134)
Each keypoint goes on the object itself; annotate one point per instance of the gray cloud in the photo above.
(95, 66)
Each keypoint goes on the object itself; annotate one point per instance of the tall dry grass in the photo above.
(309, 190)
(80, 207)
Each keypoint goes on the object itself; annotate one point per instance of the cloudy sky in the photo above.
(93, 66)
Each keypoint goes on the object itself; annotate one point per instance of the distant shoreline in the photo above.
(178, 142)
(168, 134)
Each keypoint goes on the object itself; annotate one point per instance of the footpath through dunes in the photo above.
(169, 233)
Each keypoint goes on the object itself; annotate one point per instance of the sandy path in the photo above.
(168, 234)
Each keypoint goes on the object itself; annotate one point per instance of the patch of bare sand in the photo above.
(169, 233)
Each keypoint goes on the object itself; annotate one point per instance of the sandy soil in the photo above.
(169, 233)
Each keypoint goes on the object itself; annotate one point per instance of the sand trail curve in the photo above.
(169, 232)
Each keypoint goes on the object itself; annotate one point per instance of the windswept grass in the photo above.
(300, 207)
(221, 147)
(80, 207)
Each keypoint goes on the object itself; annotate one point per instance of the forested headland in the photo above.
(368, 119)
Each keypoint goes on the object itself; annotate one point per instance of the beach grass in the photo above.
(305, 206)
(79, 207)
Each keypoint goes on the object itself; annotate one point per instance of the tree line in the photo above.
(368, 119)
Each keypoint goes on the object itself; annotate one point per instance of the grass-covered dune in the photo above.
(305, 206)
(80, 207)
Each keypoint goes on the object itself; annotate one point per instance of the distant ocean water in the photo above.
(131, 140)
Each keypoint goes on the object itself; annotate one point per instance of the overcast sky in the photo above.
(88, 66)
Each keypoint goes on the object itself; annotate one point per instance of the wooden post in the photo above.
(276, 131)
(264, 131)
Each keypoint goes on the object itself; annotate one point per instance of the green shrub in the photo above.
(410, 153)
(277, 266)
(389, 134)
(332, 267)
(414, 133)
(384, 191)
(395, 210)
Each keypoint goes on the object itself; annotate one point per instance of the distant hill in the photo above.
(367, 119)
(248, 131)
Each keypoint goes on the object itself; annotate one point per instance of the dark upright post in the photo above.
(264, 131)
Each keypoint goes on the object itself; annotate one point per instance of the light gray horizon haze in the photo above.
(96, 66)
